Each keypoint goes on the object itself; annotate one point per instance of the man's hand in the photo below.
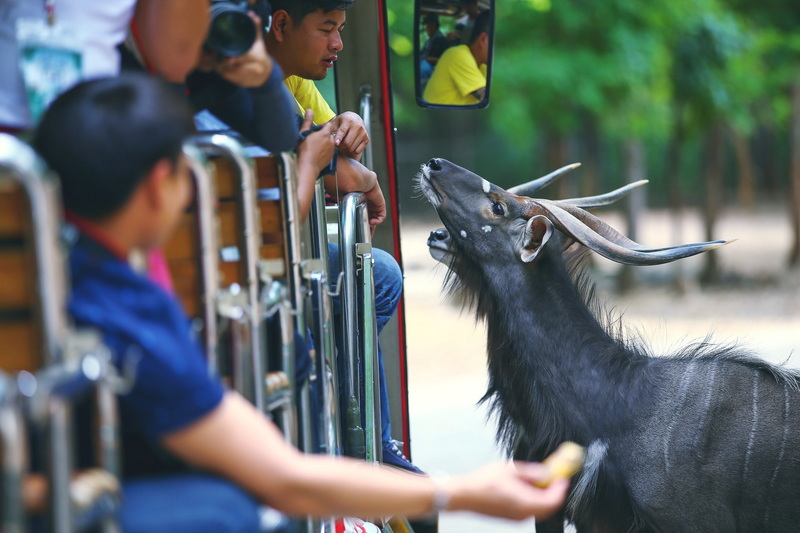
(352, 176)
(506, 490)
(316, 151)
(376, 205)
(313, 154)
(350, 134)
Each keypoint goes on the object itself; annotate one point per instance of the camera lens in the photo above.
(232, 31)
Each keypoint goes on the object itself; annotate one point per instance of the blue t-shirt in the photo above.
(138, 319)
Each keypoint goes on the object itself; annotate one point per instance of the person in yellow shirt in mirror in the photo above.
(460, 75)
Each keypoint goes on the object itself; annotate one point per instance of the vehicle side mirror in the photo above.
(453, 46)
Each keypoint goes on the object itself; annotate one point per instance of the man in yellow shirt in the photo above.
(305, 39)
(459, 77)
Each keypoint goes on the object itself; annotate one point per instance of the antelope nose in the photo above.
(435, 164)
(438, 235)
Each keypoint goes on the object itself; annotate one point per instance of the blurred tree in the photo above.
(777, 22)
(576, 74)
(701, 99)
(633, 90)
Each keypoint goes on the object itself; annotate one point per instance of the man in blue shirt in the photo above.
(203, 458)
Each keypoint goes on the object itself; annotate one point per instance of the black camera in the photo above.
(232, 31)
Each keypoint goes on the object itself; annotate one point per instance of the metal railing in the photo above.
(71, 364)
(360, 330)
(242, 306)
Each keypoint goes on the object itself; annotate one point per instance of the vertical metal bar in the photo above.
(288, 167)
(318, 222)
(242, 356)
(14, 458)
(355, 239)
(288, 361)
(60, 459)
(108, 428)
(365, 106)
(328, 422)
(21, 162)
(205, 202)
(304, 413)
(324, 330)
(108, 432)
(372, 413)
(348, 238)
(228, 147)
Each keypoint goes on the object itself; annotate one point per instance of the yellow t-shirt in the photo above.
(308, 96)
(454, 79)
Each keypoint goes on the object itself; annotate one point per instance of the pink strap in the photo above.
(158, 271)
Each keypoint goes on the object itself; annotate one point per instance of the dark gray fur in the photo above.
(705, 440)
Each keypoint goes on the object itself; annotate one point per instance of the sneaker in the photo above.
(393, 456)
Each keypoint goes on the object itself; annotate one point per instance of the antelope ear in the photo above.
(537, 232)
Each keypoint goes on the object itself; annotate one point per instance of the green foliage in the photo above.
(626, 66)
(701, 56)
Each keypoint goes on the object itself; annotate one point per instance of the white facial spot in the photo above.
(463, 233)
(486, 229)
(486, 186)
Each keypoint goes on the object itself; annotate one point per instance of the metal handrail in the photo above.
(316, 272)
(366, 114)
(208, 244)
(372, 414)
(226, 146)
(354, 235)
(327, 372)
(19, 162)
(292, 317)
(65, 371)
(50, 396)
(14, 459)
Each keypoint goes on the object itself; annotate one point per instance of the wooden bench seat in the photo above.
(182, 249)
(20, 331)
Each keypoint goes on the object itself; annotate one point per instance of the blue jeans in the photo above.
(388, 280)
(187, 503)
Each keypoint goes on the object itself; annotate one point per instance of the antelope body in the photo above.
(706, 440)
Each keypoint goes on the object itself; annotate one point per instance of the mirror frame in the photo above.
(418, 89)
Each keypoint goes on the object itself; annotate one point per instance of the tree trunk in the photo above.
(635, 162)
(591, 159)
(675, 196)
(767, 160)
(794, 206)
(744, 160)
(714, 153)
(557, 155)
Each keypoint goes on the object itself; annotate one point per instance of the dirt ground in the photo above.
(756, 306)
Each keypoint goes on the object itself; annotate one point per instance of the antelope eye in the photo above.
(498, 209)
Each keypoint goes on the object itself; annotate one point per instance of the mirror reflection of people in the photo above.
(460, 74)
(434, 46)
(465, 23)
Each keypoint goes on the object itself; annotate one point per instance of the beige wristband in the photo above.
(441, 497)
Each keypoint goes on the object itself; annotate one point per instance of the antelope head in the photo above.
(487, 223)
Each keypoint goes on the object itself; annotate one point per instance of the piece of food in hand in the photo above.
(563, 463)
